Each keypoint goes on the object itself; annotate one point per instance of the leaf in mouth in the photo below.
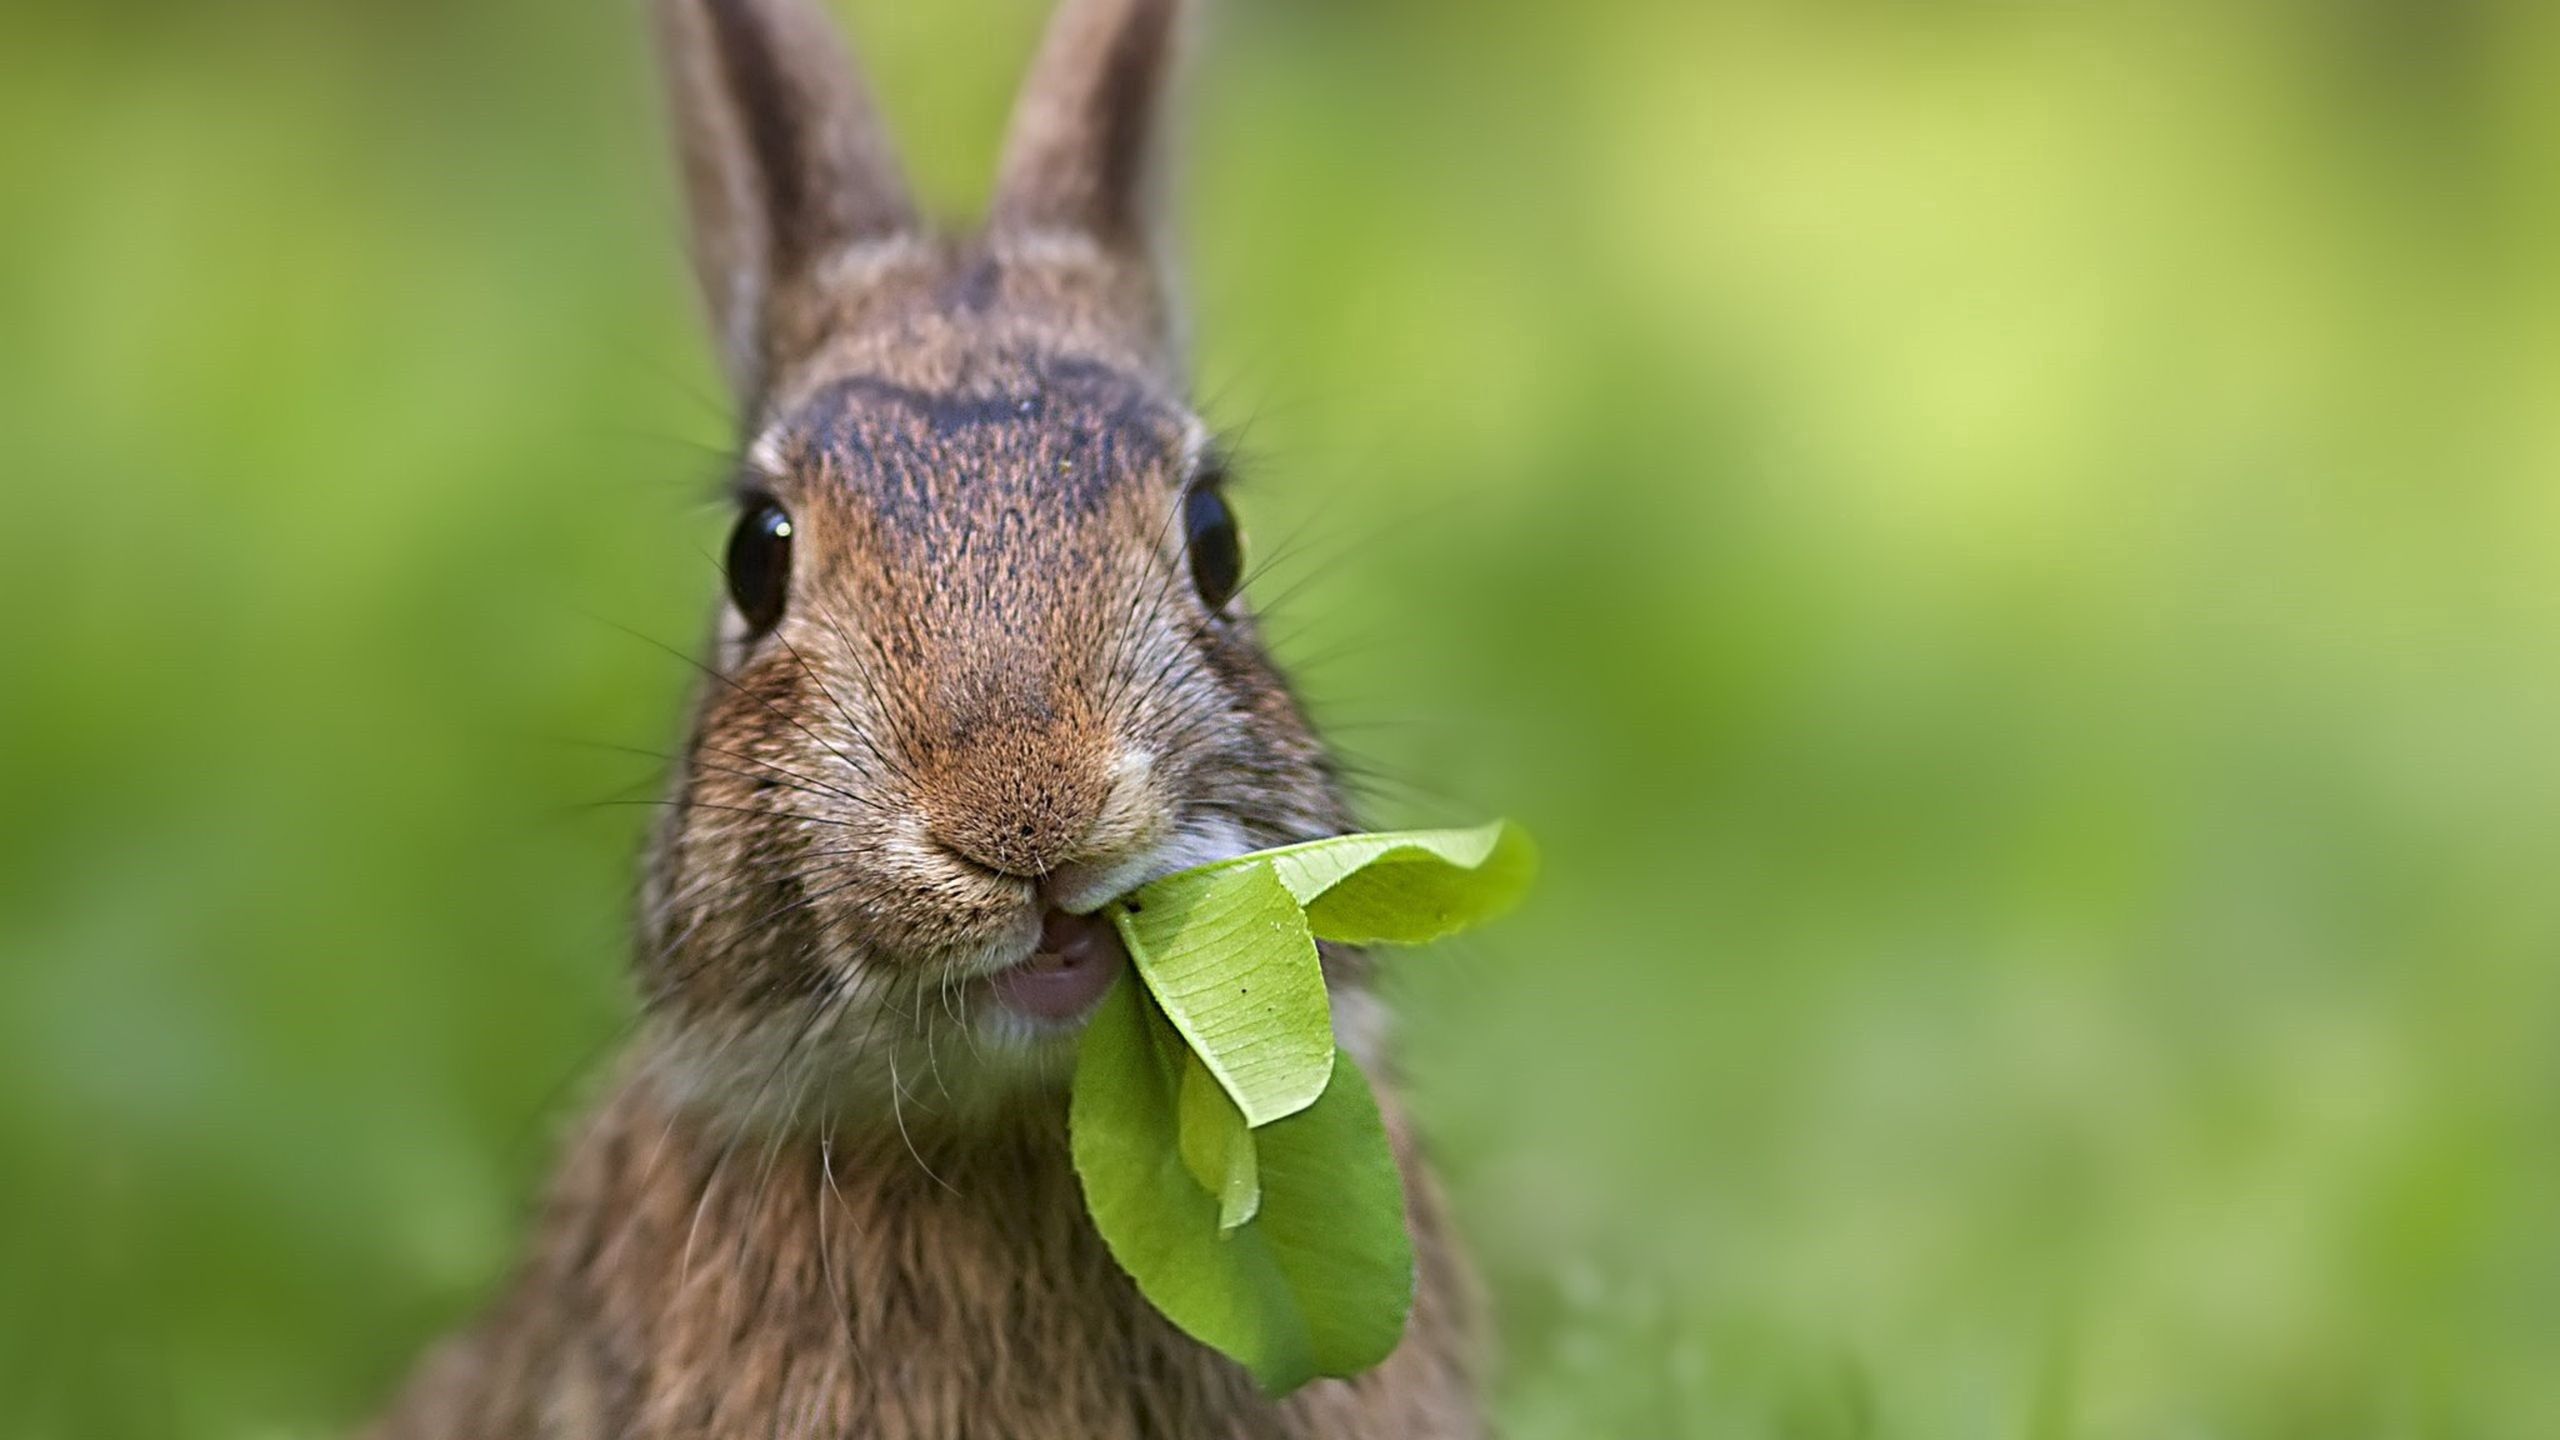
(1233, 1159)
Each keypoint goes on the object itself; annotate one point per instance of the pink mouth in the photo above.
(1078, 958)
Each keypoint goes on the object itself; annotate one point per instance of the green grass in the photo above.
(2006, 552)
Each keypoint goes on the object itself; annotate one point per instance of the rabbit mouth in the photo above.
(1069, 971)
(1058, 979)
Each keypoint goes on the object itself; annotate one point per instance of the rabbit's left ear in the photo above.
(785, 167)
(1083, 157)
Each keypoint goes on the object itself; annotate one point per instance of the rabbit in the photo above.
(982, 667)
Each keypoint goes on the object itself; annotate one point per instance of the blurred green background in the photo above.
(2007, 550)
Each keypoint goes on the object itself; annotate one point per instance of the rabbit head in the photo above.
(982, 666)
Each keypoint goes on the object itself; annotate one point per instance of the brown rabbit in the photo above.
(983, 669)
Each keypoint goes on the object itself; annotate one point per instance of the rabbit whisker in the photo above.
(785, 716)
(859, 733)
(818, 1016)
(897, 1097)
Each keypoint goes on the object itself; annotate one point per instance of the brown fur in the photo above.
(830, 1194)
(842, 1285)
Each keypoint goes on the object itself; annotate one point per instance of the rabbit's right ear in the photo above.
(785, 166)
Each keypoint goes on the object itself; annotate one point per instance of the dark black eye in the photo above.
(760, 565)
(1217, 551)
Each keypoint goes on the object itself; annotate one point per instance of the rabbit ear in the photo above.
(785, 164)
(1081, 155)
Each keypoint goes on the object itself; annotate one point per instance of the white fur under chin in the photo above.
(809, 1070)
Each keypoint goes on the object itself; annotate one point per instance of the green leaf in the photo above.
(1403, 887)
(1333, 1218)
(1228, 955)
(1217, 1147)
(1318, 1282)
(1232, 1158)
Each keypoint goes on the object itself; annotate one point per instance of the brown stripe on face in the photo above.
(1064, 431)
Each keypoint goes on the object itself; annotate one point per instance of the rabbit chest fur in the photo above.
(837, 1286)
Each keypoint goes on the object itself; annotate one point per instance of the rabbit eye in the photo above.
(1217, 551)
(760, 565)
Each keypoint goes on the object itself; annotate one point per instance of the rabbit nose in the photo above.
(1015, 801)
(1027, 827)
